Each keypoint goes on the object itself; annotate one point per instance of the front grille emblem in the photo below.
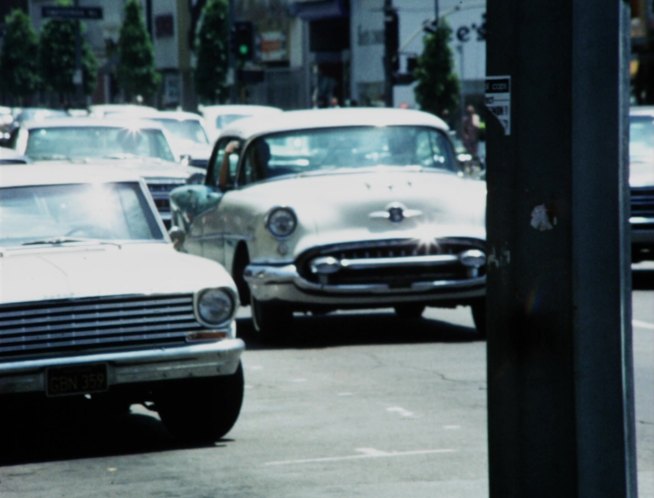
(396, 212)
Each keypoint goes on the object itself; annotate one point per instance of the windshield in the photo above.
(188, 129)
(641, 137)
(350, 147)
(86, 142)
(69, 213)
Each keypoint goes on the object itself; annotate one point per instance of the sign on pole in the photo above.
(58, 12)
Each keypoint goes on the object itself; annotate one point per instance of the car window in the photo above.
(256, 162)
(348, 147)
(76, 142)
(219, 157)
(641, 137)
(106, 211)
(186, 129)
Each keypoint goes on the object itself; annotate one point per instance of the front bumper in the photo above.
(284, 284)
(130, 367)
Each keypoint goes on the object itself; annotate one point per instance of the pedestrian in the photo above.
(470, 125)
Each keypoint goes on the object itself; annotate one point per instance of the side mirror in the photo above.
(177, 236)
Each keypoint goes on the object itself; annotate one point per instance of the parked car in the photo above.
(339, 208)
(220, 116)
(188, 132)
(96, 304)
(641, 180)
(139, 145)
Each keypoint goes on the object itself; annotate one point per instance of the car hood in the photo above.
(91, 270)
(340, 207)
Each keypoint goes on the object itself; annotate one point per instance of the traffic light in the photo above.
(392, 38)
(244, 40)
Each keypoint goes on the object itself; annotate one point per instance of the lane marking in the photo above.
(402, 412)
(363, 454)
(642, 325)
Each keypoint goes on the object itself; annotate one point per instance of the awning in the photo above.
(313, 10)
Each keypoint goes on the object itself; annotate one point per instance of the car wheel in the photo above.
(272, 321)
(479, 316)
(201, 410)
(409, 311)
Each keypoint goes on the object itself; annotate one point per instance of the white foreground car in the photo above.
(96, 303)
(339, 208)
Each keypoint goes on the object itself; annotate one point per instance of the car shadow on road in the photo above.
(51, 434)
(345, 329)
(642, 279)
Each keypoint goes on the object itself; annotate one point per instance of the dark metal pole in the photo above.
(560, 381)
(388, 68)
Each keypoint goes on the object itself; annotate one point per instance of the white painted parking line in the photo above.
(642, 325)
(400, 411)
(363, 454)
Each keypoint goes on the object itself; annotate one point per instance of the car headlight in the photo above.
(215, 306)
(281, 222)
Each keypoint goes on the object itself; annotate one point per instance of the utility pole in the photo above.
(391, 47)
(560, 373)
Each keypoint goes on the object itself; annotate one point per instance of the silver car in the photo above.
(328, 209)
(96, 304)
(641, 181)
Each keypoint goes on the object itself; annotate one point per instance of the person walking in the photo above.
(470, 126)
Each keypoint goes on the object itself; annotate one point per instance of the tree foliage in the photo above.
(212, 44)
(136, 71)
(58, 59)
(437, 90)
(18, 65)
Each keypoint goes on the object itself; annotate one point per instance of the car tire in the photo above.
(271, 321)
(409, 311)
(201, 410)
(479, 316)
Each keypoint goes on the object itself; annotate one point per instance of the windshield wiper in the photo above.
(55, 241)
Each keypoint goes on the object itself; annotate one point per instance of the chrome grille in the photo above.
(394, 277)
(160, 192)
(642, 202)
(95, 324)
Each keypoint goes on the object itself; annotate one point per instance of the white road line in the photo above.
(642, 325)
(364, 453)
(400, 411)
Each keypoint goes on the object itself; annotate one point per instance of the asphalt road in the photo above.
(361, 405)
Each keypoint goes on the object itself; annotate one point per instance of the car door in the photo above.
(221, 177)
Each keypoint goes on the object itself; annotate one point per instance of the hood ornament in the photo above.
(395, 212)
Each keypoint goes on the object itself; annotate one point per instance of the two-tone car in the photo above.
(97, 305)
(329, 209)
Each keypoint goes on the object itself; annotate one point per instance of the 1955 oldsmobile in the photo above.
(319, 210)
(96, 305)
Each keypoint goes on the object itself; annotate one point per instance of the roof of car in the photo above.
(122, 122)
(58, 174)
(214, 110)
(333, 117)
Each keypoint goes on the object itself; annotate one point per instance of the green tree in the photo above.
(212, 44)
(59, 61)
(136, 71)
(437, 88)
(18, 66)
